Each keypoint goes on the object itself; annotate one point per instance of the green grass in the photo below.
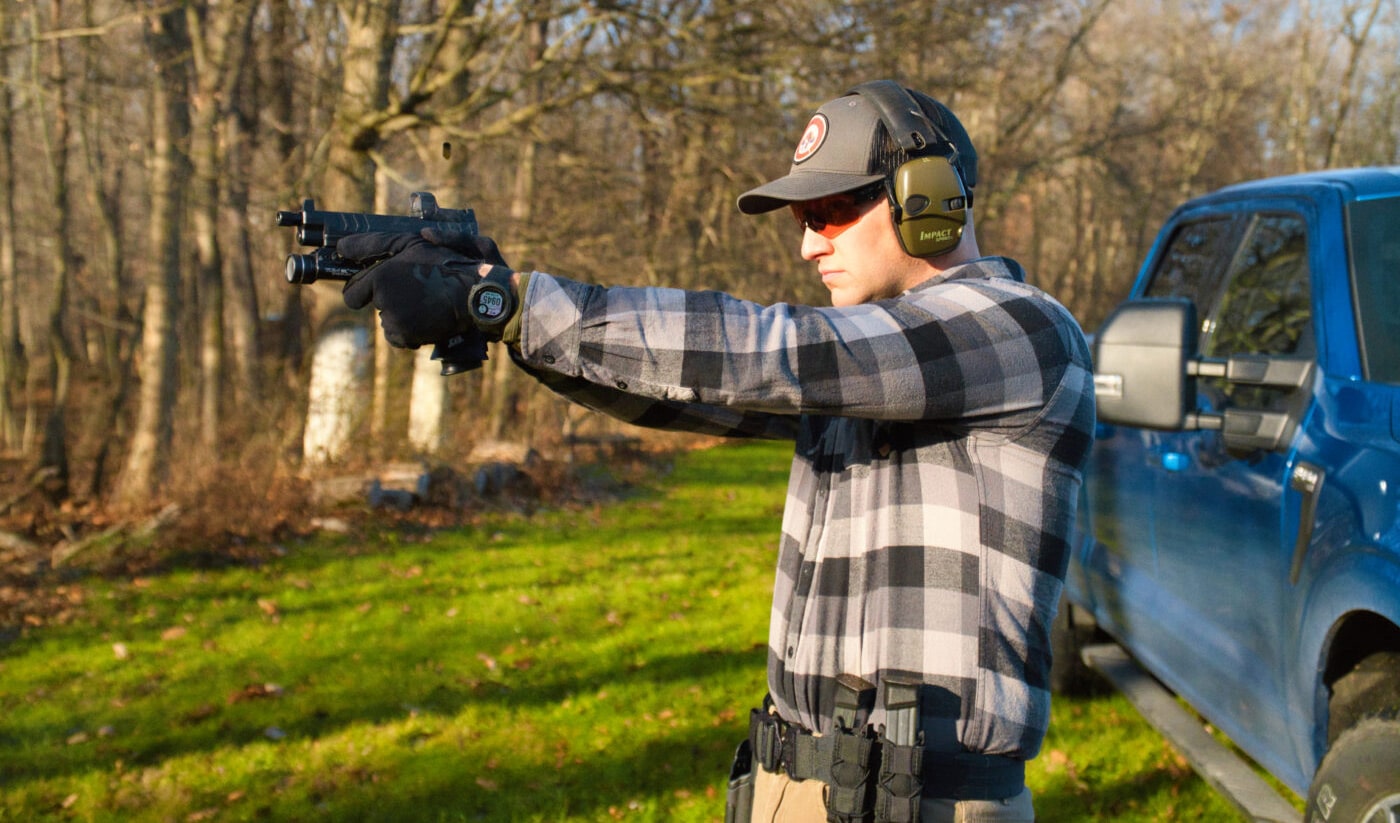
(593, 664)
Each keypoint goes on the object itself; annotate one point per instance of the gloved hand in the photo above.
(493, 315)
(472, 246)
(419, 287)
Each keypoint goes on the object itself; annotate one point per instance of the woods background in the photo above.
(151, 351)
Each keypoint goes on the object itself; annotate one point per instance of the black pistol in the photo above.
(323, 229)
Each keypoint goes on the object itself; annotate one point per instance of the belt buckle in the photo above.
(768, 741)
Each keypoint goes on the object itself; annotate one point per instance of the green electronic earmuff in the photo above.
(928, 200)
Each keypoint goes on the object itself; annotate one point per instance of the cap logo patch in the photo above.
(812, 138)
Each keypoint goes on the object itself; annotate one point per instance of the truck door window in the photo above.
(1195, 261)
(1266, 306)
(1375, 260)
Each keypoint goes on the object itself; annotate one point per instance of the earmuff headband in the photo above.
(928, 198)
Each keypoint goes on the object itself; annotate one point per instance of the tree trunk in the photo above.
(209, 287)
(370, 40)
(235, 135)
(219, 35)
(337, 374)
(1356, 34)
(504, 382)
(10, 355)
(427, 410)
(57, 132)
(240, 288)
(430, 401)
(148, 460)
(278, 101)
(383, 354)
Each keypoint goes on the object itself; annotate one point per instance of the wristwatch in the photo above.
(492, 302)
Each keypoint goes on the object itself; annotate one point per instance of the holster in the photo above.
(738, 797)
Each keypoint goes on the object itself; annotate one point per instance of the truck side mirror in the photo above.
(1146, 368)
(1140, 357)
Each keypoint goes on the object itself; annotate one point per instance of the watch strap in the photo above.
(510, 335)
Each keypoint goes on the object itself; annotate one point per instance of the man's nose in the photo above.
(814, 245)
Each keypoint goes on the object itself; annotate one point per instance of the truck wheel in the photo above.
(1072, 630)
(1359, 779)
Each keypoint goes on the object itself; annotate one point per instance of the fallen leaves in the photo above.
(200, 713)
(255, 691)
(34, 606)
(1058, 761)
(80, 737)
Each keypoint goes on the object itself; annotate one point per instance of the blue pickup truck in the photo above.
(1241, 513)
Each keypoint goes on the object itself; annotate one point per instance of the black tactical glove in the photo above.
(472, 246)
(492, 303)
(419, 288)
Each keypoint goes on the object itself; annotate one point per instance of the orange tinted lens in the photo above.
(829, 216)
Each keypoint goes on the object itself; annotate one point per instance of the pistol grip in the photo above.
(460, 354)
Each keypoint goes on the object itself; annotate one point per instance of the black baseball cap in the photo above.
(845, 146)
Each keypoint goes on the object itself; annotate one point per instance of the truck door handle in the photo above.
(1306, 479)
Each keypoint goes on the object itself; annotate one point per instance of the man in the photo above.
(941, 408)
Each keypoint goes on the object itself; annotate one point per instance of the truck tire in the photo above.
(1072, 630)
(1359, 779)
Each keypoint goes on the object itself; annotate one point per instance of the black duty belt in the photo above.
(779, 746)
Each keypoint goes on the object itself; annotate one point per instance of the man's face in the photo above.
(851, 238)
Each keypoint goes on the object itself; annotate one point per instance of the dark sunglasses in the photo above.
(833, 214)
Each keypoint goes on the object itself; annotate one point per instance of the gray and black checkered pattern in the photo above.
(940, 438)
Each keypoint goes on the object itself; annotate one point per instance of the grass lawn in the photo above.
(583, 664)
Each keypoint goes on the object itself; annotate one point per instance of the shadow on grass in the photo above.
(342, 697)
(347, 662)
(1131, 799)
(656, 776)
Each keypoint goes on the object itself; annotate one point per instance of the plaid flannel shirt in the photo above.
(940, 438)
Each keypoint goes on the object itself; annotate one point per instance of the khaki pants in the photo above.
(778, 799)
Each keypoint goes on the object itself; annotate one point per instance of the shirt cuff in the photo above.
(510, 335)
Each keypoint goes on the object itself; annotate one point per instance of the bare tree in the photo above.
(219, 36)
(1358, 22)
(104, 177)
(148, 460)
(57, 130)
(603, 141)
(237, 137)
(370, 40)
(10, 351)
